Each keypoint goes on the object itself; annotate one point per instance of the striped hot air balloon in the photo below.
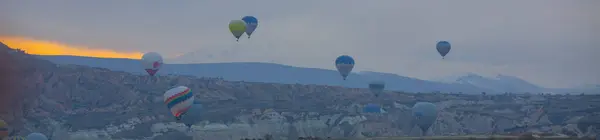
(179, 100)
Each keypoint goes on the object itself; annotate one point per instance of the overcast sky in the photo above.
(547, 42)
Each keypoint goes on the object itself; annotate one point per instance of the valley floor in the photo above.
(469, 137)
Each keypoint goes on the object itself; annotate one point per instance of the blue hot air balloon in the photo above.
(443, 47)
(372, 108)
(193, 115)
(344, 65)
(424, 114)
(36, 136)
(377, 87)
(251, 24)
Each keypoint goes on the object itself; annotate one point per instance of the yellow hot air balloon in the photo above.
(237, 28)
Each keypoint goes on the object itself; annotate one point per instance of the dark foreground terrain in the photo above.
(79, 102)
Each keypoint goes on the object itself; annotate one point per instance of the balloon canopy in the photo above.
(152, 62)
(251, 24)
(424, 114)
(372, 108)
(193, 115)
(36, 136)
(443, 47)
(344, 65)
(237, 28)
(377, 87)
(179, 100)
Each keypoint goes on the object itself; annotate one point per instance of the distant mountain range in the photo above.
(498, 83)
(277, 73)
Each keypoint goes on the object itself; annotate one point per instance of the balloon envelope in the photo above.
(237, 28)
(344, 65)
(178, 100)
(193, 115)
(377, 87)
(443, 47)
(36, 136)
(251, 24)
(152, 62)
(372, 108)
(557, 119)
(425, 114)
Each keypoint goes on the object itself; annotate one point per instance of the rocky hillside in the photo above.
(79, 102)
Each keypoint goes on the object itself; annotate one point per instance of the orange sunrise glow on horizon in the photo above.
(44, 47)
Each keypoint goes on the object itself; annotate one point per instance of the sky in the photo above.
(547, 42)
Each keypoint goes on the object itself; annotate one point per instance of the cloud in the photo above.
(41, 47)
(548, 42)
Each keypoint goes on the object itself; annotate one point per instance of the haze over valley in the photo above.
(277, 73)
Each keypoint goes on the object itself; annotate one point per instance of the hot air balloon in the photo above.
(557, 119)
(179, 100)
(237, 28)
(372, 108)
(251, 24)
(424, 114)
(152, 62)
(36, 136)
(443, 47)
(193, 115)
(3, 129)
(377, 87)
(344, 65)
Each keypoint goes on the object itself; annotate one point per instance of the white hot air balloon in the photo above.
(152, 62)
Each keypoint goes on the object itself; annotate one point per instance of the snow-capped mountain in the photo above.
(504, 83)
(499, 83)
